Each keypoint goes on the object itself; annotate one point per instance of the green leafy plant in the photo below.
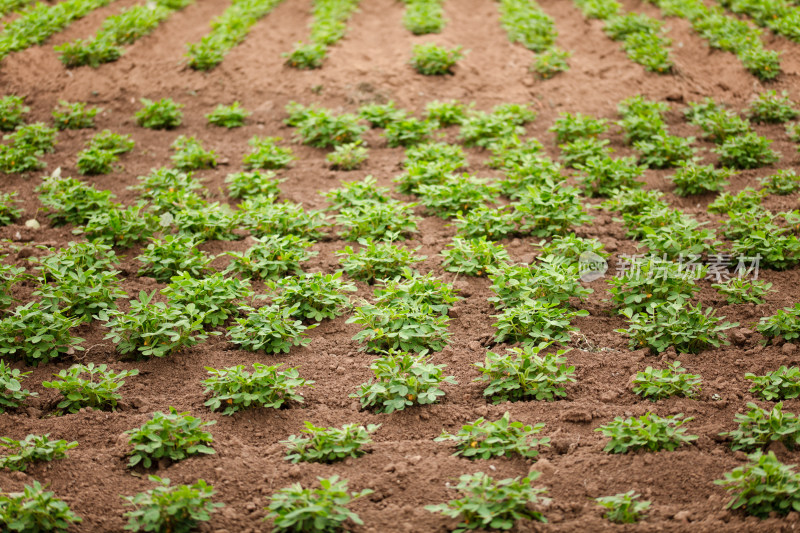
(534, 321)
(758, 428)
(314, 296)
(356, 193)
(490, 504)
(12, 395)
(272, 257)
(550, 62)
(410, 288)
(690, 329)
(255, 183)
(176, 508)
(604, 175)
(691, 178)
(432, 60)
(12, 112)
(380, 115)
(154, 329)
(582, 149)
(793, 131)
(267, 155)
(423, 16)
(550, 209)
(762, 486)
(387, 221)
(746, 151)
(655, 384)
(70, 201)
(741, 290)
(120, 227)
(98, 390)
(74, 116)
(20, 453)
(473, 257)
(771, 108)
(9, 276)
(214, 297)
(649, 432)
(167, 257)
(81, 293)
(554, 279)
(324, 509)
(33, 509)
(94, 161)
(447, 113)
(190, 154)
(651, 281)
(347, 156)
(161, 114)
(265, 218)
(171, 436)
(402, 380)
(231, 116)
(328, 445)
(306, 56)
(9, 212)
(77, 255)
(623, 508)
(523, 374)
(784, 323)
(458, 194)
(408, 131)
(234, 388)
(783, 182)
(405, 325)
(781, 384)
(745, 200)
(665, 151)
(270, 328)
(489, 222)
(569, 247)
(641, 118)
(482, 439)
(375, 261)
(321, 128)
(569, 127)
(37, 334)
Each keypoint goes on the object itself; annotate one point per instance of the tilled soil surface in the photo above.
(405, 468)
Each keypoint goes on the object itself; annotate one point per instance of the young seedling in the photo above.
(214, 297)
(746, 151)
(569, 127)
(482, 439)
(12, 395)
(758, 428)
(375, 261)
(402, 380)
(473, 257)
(770, 108)
(267, 219)
(648, 432)
(673, 380)
(231, 116)
(306, 56)
(81, 293)
(381, 115)
(783, 182)
(272, 257)
(98, 390)
(234, 388)
(251, 184)
(550, 62)
(170, 508)
(162, 114)
(447, 113)
(781, 384)
(12, 111)
(405, 325)
(70, 201)
(36, 334)
(742, 290)
(154, 329)
(270, 329)
(314, 296)
(324, 509)
(535, 321)
(74, 116)
(267, 155)
(763, 486)
(432, 60)
(190, 154)
(328, 445)
(691, 178)
(523, 374)
(623, 508)
(9, 212)
(167, 257)
(347, 156)
(33, 509)
(170, 436)
(784, 323)
(491, 504)
(33, 448)
(122, 228)
(95, 161)
(386, 221)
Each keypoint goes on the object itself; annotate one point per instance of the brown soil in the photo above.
(405, 468)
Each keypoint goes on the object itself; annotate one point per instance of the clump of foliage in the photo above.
(165, 258)
(9, 212)
(74, 116)
(376, 261)
(314, 296)
(433, 60)
(12, 395)
(526, 374)
(265, 218)
(324, 509)
(272, 257)
(781, 384)
(550, 209)
(271, 329)
(20, 453)
(763, 486)
(569, 127)
(234, 388)
(190, 154)
(473, 257)
(347, 156)
(176, 508)
(651, 281)
(649, 432)
(491, 504)
(36, 333)
(94, 161)
(34, 509)
(482, 439)
(746, 151)
(623, 508)
(121, 227)
(602, 176)
(12, 112)
(387, 221)
(328, 445)
(550, 62)
(267, 155)
(770, 108)
(783, 182)
(172, 436)
(535, 321)
(321, 128)
(98, 390)
(741, 290)
(402, 380)
(489, 222)
(161, 114)
(447, 113)
(655, 384)
(306, 56)
(254, 183)
(154, 329)
(381, 115)
(691, 178)
(70, 201)
(231, 116)
(758, 428)
(214, 297)
(784, 323)
(404, 324)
